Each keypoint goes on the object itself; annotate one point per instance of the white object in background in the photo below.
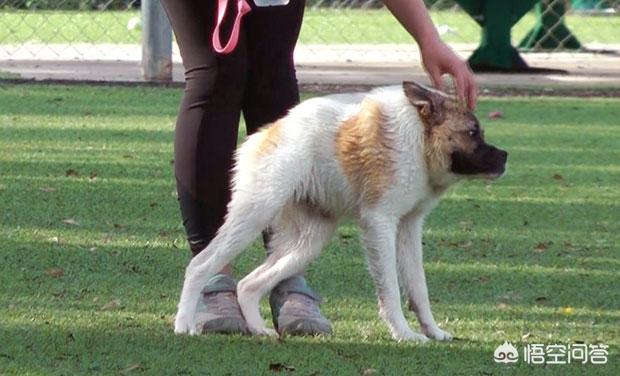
(270, 3)
(134, 23)
(446, 29)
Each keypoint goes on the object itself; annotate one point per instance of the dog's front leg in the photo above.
(380, 240)
(411, 269)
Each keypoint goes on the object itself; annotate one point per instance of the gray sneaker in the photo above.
(295, 309)
(218, 311)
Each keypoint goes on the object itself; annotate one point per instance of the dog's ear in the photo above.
(429, 103)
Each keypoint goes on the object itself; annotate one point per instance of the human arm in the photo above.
(437, 57)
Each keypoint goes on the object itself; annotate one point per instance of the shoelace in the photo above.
(224, 303)
(301, 304)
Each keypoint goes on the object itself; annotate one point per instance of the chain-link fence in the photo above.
(71, 29)
(346, 29)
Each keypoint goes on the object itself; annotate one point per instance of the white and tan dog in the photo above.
(383, 158)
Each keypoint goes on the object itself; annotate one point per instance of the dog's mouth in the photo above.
(493, 175)
(486, 161)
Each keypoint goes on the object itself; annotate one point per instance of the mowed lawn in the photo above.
(92, 251)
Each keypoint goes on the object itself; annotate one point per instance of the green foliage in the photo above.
(93, 253)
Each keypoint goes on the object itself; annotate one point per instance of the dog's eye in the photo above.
(473, 133)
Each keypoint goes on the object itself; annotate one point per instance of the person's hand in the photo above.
(439, 59)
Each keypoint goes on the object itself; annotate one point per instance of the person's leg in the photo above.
(204, 143)
(208, 120)
(271, 90)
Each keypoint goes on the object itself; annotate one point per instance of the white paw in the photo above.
(184, 324)
(436, 333)
(410, 336)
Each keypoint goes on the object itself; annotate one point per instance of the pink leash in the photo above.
(242, 9)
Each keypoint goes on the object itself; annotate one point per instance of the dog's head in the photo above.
(454, 141)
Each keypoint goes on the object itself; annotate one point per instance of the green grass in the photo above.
(4, 75)
(379, 26)
(320, 26)
(92, 252)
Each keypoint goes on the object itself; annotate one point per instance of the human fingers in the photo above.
(472, 93)
(461, 86)
(435, 76)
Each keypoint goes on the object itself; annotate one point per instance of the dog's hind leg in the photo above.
(380, 238)
(248, 215)
(411, 270)
(299, 236)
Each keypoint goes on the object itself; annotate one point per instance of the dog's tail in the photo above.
(267, 173)
(264, 154)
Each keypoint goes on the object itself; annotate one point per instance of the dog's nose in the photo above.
(504, 154)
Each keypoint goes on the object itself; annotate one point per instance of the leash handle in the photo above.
(242, 9)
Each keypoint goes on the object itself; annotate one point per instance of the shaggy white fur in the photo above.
(297, 184)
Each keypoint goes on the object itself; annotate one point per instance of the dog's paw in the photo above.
(410, 336)
(184, 325)
(436, 333)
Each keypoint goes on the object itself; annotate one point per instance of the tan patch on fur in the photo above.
(363, 149)
(269, 138)
(440, 141)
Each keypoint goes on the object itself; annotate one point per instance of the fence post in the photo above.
(156, 43)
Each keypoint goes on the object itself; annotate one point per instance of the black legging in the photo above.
(258, 78)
